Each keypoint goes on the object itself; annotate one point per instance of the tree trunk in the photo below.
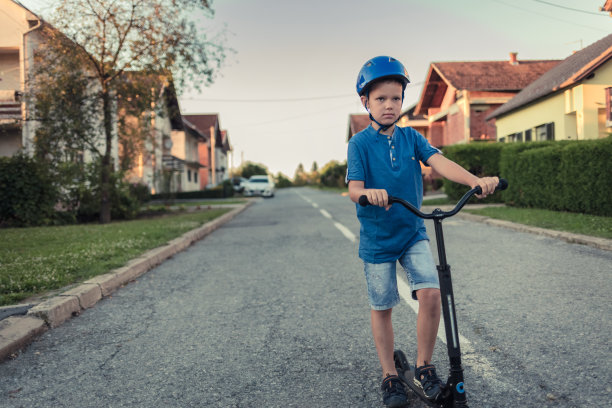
(107, 163)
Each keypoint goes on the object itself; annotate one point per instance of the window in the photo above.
(515, 137)
(545, 132)
(188, 175)
(528, 135)
(195, 176)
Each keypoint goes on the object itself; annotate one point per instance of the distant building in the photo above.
(214, 152)
(457, 96)
(572, 101)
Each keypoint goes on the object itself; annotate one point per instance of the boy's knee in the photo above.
(428, 296)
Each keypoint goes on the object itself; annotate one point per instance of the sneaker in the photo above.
(394, 394)
(425, 377)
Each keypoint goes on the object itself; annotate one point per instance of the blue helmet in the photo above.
(378, 68)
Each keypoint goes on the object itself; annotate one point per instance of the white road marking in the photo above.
(480, 365)
(346, 232)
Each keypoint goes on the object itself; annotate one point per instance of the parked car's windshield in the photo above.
(258, 180)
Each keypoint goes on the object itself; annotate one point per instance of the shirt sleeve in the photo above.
(354, 161)
(423, 149)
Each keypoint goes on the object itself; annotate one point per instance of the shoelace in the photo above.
(428, 377)
(390, 384)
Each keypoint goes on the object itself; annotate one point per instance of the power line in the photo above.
(569, 8)
(303, 99)
(548, 16)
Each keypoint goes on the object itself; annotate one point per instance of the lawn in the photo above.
(37, 260)
(593, 225)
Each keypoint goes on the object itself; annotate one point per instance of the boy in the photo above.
(384, 160)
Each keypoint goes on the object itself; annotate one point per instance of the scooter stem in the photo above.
(455, 379)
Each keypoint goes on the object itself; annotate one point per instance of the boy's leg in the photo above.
(382, 329)
(428, 320)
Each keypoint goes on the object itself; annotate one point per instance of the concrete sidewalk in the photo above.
(16, 332)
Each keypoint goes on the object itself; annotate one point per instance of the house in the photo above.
(21, 34)
(19, 37)
(569, 102)
(357, 122)
(214, 151)
(168, 158)
(180, 148)
(457, 96)
(417, 122)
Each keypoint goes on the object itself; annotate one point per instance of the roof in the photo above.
(357, 122)
(607, 6)
(569, 72)
(491, 76)
(203, 122)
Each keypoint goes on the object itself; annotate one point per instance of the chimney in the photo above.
(513, 59)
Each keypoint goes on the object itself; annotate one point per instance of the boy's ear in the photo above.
(364, 101)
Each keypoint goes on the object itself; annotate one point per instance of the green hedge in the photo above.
(586, 173)
(27, 191)
(571, 176)
(481, 159)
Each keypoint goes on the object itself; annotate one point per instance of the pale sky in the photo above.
(286, 94)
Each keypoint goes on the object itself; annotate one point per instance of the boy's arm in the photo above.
(454, 172)
(377, 197)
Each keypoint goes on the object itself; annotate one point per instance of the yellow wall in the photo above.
(574, 111)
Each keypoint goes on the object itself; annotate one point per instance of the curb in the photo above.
(596, 242)
(17, 332)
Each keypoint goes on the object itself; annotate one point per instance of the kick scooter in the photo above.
(453, 393)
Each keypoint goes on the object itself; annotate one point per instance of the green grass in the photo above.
(41, 259)
(593, 225)
(438, 201)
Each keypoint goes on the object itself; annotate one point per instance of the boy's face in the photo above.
(384, 101)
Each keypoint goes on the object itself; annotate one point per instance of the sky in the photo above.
(285, 92)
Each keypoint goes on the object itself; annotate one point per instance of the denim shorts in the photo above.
(381, 278)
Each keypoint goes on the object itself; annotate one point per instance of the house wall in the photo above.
(454, 131)
(575, 111)
(203, 150)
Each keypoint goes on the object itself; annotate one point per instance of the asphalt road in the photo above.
(271, 311)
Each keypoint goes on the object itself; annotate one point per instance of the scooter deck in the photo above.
(405, 372)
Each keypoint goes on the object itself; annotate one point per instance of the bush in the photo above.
(568, 175)
(586, 173)
(28, 192)
(124, 204)
(333, 174)
(222, 191)
(480, 159)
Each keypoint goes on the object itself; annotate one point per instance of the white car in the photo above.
(259, 185)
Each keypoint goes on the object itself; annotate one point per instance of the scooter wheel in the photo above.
(401, 362)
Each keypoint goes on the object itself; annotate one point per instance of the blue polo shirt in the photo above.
(391, 163)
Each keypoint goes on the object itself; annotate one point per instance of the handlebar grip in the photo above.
(502, 185)
(363, 201)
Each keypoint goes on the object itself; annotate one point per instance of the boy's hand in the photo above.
(379, 198)
(487, 184)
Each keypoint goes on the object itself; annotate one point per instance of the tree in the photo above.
(249, 169)
(107, 41)
(333, 174)
(282, 181)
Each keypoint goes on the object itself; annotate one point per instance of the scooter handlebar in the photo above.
(502, 185)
